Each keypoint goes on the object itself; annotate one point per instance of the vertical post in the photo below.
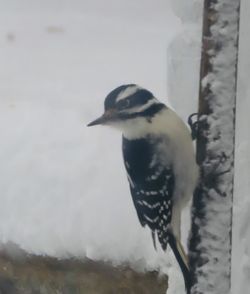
(210, 239)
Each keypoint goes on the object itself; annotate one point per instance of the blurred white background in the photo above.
(63, 187)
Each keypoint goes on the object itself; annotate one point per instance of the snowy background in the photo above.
(63, 188)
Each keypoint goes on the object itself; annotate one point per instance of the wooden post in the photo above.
(210, 239)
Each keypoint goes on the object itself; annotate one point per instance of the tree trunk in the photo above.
(210, 239)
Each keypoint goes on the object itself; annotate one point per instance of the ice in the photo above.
(183, 70)
(188, 11)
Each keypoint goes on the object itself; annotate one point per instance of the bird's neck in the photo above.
(141, 127)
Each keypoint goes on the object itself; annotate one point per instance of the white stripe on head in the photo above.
(141, 108)
(128, 92)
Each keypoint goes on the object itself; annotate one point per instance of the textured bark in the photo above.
(21, 273)
(210, 240)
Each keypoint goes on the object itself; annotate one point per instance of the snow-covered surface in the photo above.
(63, 188)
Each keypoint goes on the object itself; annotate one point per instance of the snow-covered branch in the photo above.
(210, 242)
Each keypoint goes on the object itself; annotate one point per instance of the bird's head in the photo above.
(128, 107)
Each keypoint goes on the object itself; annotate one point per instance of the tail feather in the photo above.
(153, 237)
(181, 259)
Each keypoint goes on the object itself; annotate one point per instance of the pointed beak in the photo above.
(108, 115)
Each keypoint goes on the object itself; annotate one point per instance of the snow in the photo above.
(63, 188)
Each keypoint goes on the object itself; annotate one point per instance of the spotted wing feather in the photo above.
(151, 186)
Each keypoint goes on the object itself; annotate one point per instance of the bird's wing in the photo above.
(151, 184)
(153, 202)
(137, 206)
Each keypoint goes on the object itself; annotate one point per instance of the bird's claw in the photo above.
(193, 123)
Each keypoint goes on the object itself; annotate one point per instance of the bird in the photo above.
(159, 159)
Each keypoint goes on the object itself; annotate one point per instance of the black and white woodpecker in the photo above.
(159, 159)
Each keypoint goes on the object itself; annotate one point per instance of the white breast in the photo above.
(178, 149)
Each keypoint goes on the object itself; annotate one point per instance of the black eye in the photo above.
(122, 104)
